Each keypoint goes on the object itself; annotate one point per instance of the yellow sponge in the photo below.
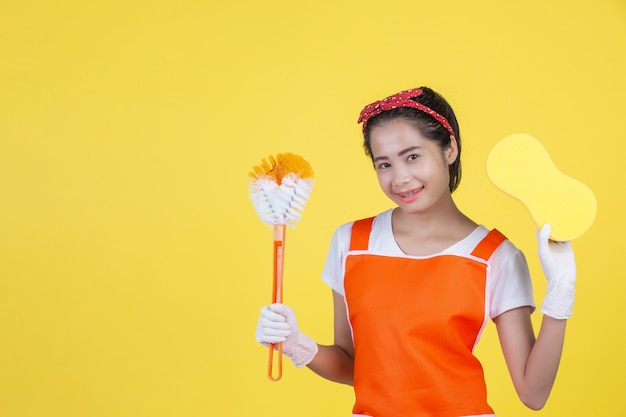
(520, 166)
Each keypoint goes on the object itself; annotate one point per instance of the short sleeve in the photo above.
(510, 284)
(332, 273)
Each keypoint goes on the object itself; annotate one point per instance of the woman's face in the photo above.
(412, 170)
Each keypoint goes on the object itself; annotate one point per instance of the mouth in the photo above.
(408, 196)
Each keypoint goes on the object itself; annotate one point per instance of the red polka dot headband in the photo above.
(402, 99)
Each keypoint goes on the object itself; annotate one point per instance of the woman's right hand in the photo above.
(277, 324)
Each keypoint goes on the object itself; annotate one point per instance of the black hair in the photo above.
(427, 125)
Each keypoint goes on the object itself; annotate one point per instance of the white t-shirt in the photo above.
(508, 282)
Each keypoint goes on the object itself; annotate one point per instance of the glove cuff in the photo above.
(302, 351)
(558, 305)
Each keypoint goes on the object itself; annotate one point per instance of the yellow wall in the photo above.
(132, 264)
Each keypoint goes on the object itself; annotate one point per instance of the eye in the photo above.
(383, 165)
(412, 157)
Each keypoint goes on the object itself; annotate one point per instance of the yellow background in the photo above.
(132, 264)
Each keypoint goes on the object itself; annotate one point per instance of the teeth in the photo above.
(408, 194)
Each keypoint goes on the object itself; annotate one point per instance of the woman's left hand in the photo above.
(559, 267)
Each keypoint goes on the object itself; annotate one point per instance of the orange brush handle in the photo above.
(277, 297)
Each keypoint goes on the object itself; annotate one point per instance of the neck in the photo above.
(444, 217)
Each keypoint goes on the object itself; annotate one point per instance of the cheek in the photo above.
(380, 177)
(383, 179)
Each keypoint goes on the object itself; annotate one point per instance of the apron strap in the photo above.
(488, 245)
(361, 234)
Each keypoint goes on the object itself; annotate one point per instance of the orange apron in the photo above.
(415, 322)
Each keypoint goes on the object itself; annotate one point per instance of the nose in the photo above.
(400, 177)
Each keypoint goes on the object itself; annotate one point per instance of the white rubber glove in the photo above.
(559, 267)
(277, 323)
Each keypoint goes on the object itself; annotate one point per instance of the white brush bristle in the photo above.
(280, 204)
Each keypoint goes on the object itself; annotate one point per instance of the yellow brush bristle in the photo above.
(280, 166)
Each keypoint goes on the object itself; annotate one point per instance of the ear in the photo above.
(452, 151)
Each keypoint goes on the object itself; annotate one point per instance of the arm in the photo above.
(533, 364)
(336, 362)
(277, 323)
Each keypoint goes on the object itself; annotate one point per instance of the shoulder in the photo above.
(509, 280)
(380, 221)
(343, 233)
(508, 251)
(505, 251)
(339, 247)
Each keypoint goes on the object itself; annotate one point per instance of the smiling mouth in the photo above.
(410, 195)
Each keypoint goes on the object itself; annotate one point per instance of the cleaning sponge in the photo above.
(520, 166)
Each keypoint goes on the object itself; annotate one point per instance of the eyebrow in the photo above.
(402, 152)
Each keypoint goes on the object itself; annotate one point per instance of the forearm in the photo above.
(543, 363)
(544, 353)
(333, 363)
(277, 324)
